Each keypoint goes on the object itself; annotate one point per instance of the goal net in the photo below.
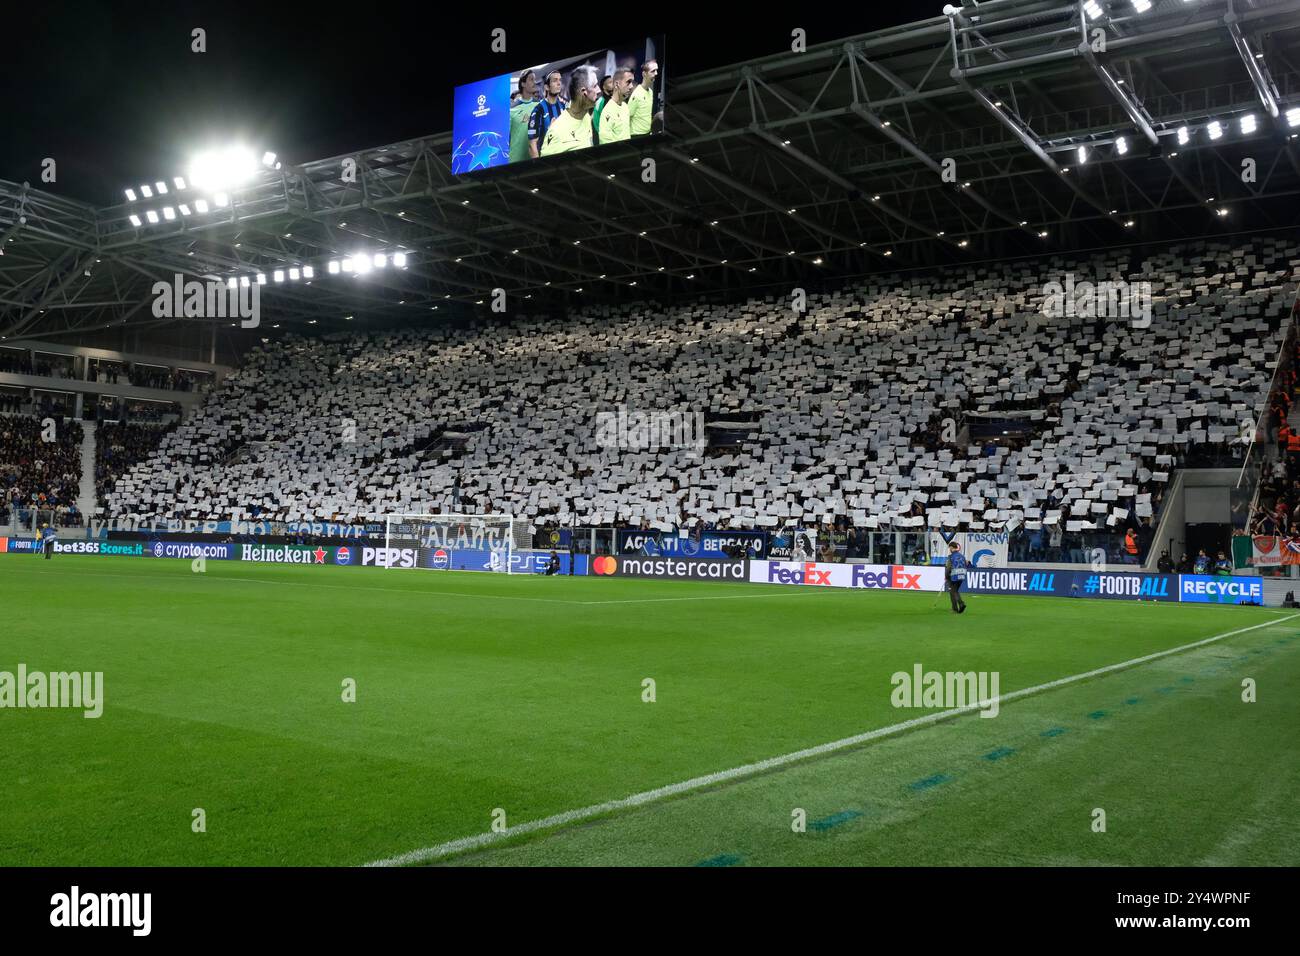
(457, 542)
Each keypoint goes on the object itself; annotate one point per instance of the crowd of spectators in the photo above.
(119, 445)
(102, 371)
(39, 474)
(149, 376)
(1279, 481)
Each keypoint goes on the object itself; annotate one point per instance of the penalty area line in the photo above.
(481, 840)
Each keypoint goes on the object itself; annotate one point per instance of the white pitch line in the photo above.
(481, 840)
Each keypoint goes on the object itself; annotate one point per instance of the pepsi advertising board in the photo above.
(600, 98)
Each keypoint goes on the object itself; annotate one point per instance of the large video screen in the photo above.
(581, 102)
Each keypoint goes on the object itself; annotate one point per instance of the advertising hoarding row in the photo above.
(1113, 585)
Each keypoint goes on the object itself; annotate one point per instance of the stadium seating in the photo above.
(118, 445)
(38, 474)
(840, 407)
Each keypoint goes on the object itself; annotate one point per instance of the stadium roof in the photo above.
(1056, 129)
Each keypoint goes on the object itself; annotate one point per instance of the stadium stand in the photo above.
(846, 402)
(118, 446)
(40, 475)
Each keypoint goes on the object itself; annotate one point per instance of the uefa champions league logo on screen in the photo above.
(483, 108)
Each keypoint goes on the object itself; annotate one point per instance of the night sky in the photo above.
(112, 92)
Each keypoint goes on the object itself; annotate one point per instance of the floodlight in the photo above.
(268, 158)
(245, 281)
(363, 264)
(347, 265)
(381, 260)
(399, 260)
(1183, 135)
(1293, 117)
(261, 278)
(1121, 145)
(334, 267)
(146, 192)
(169, 213)
(185, 210)
(295, 275)
(161, 187)
(1092, 8)
(220, 200)
(151, 216)
(201, 205)
(1248, 123)
(1215, 130)
(279, 275)
(232, 283)
(130, 193)
(179, 181)
(1083, 155)
(308, 272)
(1141, 6)
(221, 170)
(135, 220)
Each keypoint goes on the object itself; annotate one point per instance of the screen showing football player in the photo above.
(520, 112)
(571, 130)
(551, 106)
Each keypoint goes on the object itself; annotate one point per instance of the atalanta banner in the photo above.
(710, 544)
(983, 549)
(793, 543)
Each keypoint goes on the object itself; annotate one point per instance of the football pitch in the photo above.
(628, 722)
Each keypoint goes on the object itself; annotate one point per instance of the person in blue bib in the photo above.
(49, 536)
(954, 576)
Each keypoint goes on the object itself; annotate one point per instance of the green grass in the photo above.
(476, 692)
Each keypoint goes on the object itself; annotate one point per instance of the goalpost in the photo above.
(458, 541)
